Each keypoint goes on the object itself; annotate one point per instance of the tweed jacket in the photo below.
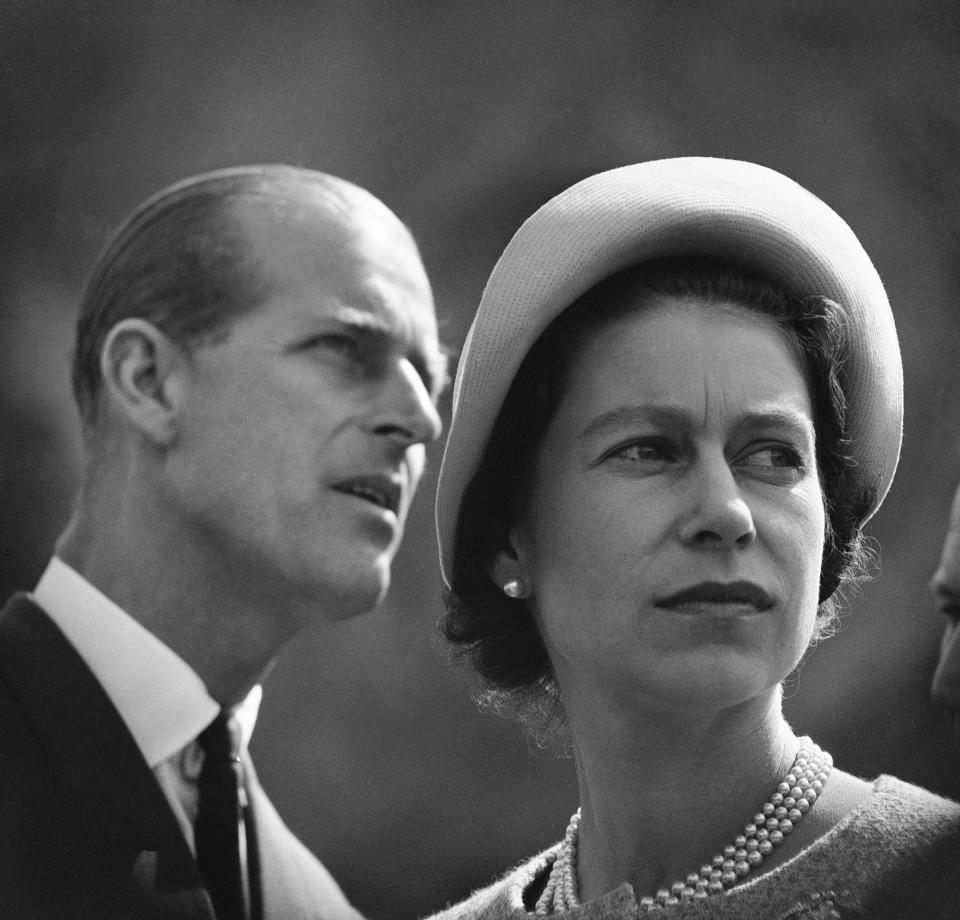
(896, 857)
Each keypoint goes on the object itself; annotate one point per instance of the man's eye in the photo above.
(345, 352)
(342, 344)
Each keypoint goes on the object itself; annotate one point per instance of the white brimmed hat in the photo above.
(727, 209)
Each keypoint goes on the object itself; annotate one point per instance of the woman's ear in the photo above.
(144, 378)
(508, 571)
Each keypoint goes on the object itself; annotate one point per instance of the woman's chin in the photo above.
(707, 680)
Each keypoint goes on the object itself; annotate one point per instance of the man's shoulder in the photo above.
(22, 618)
(16, 603)
(55, 718)
(16, 615)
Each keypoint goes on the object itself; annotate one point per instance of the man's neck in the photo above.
(226, 629)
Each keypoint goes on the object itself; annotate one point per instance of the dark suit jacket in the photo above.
(85, 830)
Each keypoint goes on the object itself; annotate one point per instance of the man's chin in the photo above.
(340, 589)
(360, 593)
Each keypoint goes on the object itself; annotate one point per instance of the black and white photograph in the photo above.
(479, 460)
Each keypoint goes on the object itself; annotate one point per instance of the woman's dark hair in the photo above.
(498, 635)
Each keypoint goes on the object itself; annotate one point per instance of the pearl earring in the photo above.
(513, 588)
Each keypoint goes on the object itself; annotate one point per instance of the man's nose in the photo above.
(406, 409)
(719, 515)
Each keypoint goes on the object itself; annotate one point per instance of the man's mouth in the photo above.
(378, 490)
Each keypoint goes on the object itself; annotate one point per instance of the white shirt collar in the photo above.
(162, 700)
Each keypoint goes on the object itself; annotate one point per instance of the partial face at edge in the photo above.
(681, 457)
(302, 439)
(945, 585)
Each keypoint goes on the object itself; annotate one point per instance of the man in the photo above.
(256, 369)
(945, 585)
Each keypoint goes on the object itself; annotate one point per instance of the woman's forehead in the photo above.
(687, 359)
(682, 332)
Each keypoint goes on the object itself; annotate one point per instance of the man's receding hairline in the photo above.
(333, 194)
(347, 206)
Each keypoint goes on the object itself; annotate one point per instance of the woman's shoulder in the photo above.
(899, 823)
(504, 898)
(895, 855)
(904, 842)
(905, 807)
(513, 897)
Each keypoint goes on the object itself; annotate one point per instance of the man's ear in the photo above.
(144, 377)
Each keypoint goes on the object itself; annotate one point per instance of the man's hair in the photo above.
(182, 262)
(498, 635)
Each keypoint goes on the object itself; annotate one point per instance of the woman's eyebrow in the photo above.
(798, 423)
(672, 417)
(661, 416)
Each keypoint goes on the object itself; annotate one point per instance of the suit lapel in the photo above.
(90, 747)
(118, 816)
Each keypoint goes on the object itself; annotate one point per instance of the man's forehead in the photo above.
(311, 235)
(274, 229)
(350, 248)
(324, 206)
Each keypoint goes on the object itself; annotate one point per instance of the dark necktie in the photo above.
(219, 818)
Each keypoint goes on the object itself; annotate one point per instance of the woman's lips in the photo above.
(715, 594)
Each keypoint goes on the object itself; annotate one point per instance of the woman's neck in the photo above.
(663, 791)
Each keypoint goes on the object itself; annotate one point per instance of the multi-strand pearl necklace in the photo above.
(767, 830)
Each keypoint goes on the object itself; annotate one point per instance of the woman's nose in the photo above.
(719, 515)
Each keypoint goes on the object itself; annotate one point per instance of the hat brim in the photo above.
(727, 209)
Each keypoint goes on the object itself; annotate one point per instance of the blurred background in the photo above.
(464, 117)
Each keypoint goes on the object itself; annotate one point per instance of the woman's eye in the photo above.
(774, 456)
(641, 452)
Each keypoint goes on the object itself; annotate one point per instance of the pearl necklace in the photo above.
(767, 830)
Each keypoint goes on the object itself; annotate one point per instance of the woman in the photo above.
(679, 403)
